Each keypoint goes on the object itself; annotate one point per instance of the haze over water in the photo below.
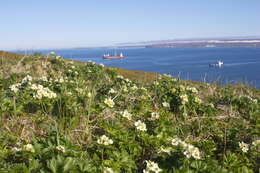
(240, 64)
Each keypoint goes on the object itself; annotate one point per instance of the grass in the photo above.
(59, 115)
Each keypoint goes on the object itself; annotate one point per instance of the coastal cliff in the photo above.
(59, 115)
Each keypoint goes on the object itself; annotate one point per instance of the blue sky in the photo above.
(35, 24)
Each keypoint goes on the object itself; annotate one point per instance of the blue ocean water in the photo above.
(240, 64)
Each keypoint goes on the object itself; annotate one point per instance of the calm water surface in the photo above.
(240, 64)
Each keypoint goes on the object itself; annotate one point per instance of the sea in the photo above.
(241, 65)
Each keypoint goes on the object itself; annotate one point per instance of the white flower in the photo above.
(36, 86)
(69, 93)
(60, 148)
(212, 105)
(79, 90)
(244, 147)
(183, 144)
(125, 89)
(29, 148)
(256, 142)
(104, 140)
(166, 105)
(27, 79)
(173, 90)
(126, 114)
(109, 102)
(60, 80)
(189, 150)
(108, 170)
(165, 150)
(134, 88)
(15, 149)
(176, 141)
(42, 92)
(111, 91)
(184, 98)
(102, 65)
(156, 83)
(140, 126)
(182, 88)
(127, 80)
(120, 77)
(192, 151)
(15, 87)
(151, 167)
(143, 88)
(44, 78)
(89, 95)
(192, 89)
(154, 116)
(198, 100)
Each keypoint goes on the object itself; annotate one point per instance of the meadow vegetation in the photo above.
(58, 115)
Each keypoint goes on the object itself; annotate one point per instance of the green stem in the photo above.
(14, 101)
(102, 154)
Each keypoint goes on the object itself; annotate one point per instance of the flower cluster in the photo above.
(108, 170)
(60, 148)
(42, 92)
(134, 88)
(120, 77)
(16, 149)
(184, 98)
(189, 150)
(154, 116)
(140, 125)
(166, 105)
(151, 167)
(27, 79)
(126, 114)
(29, 148)
(244, 147)
(192, 89)
(198, 100)
(250, 99)
(43, 78)
(111, 91)
(15, 87)
(256, 142)
(104, 140)
(109, 102)
(59, 80)
(176, 141)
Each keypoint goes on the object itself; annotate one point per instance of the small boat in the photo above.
(217, 64)
(107, 56)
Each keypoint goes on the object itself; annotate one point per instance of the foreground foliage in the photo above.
(84, 117)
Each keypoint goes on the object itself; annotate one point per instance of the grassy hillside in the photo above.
(58, 115)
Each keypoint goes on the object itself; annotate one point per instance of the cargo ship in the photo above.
(107, 56)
